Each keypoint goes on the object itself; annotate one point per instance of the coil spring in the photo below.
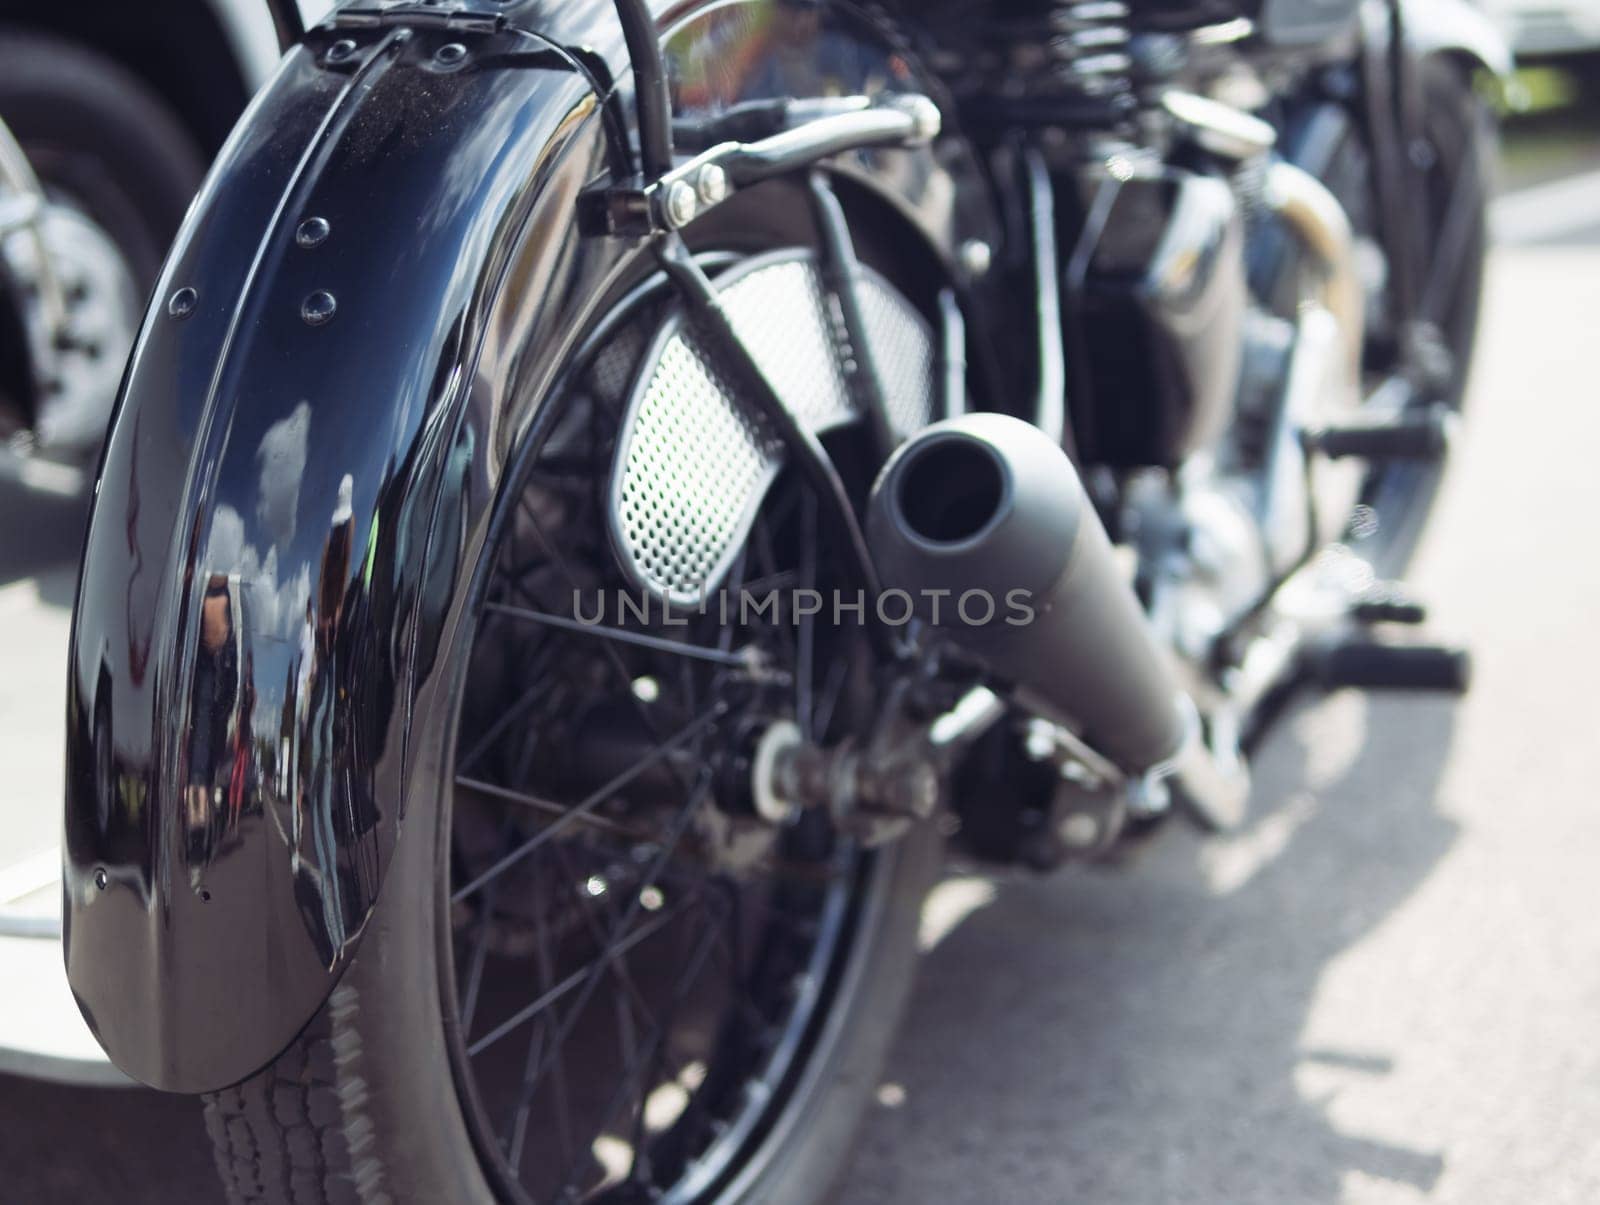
(1250, 186)
(1041, 62)
(1088, 45)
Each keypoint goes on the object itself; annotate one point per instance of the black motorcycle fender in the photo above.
(279, 522)
(351, 332)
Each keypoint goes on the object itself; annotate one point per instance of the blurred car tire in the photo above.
(99, 137)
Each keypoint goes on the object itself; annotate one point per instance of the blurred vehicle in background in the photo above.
(1538, 29)
(109, 113)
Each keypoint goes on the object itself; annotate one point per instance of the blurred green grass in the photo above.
(1550, 121)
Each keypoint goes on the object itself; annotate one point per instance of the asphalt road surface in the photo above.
(1386, 989)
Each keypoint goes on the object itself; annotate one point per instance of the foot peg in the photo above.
(1388, 603)
(1369, 665)
(1412, 435)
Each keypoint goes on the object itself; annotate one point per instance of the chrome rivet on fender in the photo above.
(312, 232)
(341, 50)
(682, 204)
(182, 303)
(101, 878)
(976, 257)
(712, 184)
(318, 308)
(450, 54)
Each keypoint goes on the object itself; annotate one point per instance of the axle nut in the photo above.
(914, 791)
(778, 744)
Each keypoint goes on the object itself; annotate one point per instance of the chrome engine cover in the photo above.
(692, 465)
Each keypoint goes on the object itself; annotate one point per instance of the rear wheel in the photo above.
(595, 974)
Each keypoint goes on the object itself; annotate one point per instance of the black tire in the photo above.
(363, 1109)
(1458, 127)
(375, 1101)
(97, 135)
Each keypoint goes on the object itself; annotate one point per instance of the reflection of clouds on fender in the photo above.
(275, 608)
(282, 457)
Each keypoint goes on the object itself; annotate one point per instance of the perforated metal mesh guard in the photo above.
(692, 468)
(902, 353)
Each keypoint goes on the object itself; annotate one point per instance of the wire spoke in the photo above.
(549, 807)
(582, 810)
(480, 947)
(612, 653)
(654, 1059)
(571, 983)
(519, 1121)
(565, 569)
(659, 644)
(657, 934)
(518, 709)
(593, 973)
(807, 640)
(832, 689)
(646, 1056)
(620, 966)
(519, 1117)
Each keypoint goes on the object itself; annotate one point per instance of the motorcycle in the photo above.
(605, 495)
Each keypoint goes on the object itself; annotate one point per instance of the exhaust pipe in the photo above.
(986, 505)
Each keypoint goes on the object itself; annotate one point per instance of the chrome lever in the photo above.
(715, 174)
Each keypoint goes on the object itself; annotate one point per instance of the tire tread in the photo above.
(298, 1133)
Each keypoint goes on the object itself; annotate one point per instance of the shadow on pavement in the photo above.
(120, 1144)
(1136, 1037)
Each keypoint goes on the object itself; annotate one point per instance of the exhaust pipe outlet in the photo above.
(988, 506)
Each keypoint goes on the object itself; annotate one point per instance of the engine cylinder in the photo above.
(1161, 304)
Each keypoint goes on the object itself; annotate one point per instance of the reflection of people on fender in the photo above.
(319, 683)
(216, 677)
(243, 751)
(333, 575)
